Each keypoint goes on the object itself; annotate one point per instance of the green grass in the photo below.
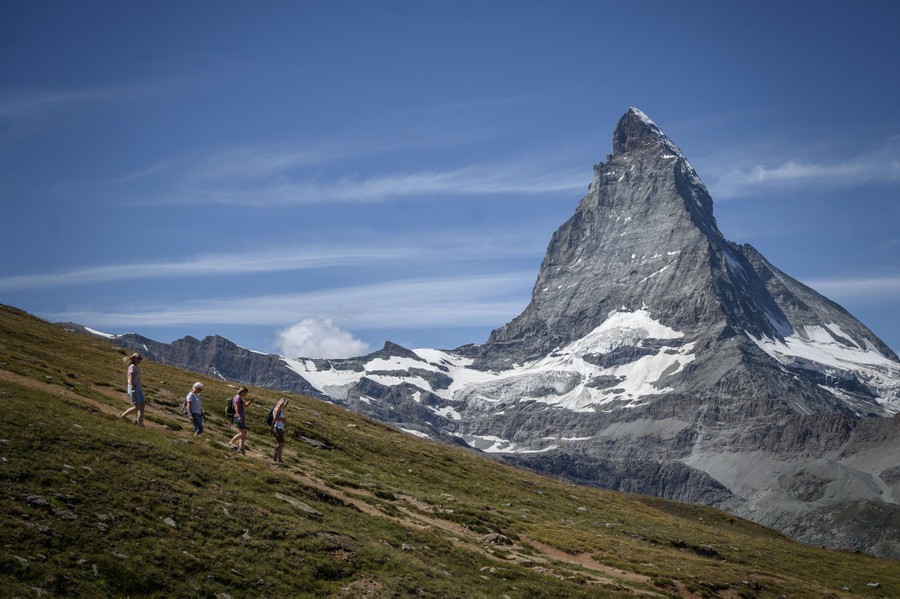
(85, 497)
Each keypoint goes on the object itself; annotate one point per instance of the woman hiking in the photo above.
(278, 427)
(195, 408)
(135, 394)
(240, 418)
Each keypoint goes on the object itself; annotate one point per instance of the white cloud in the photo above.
(745, 176)
(311, 338)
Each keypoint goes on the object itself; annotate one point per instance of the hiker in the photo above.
(135, 394)
(240, 417)
(195, 409)
(278, 427)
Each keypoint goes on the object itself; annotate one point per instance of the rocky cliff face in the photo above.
(657, 357)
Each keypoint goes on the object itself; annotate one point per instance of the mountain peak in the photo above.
(636, 132)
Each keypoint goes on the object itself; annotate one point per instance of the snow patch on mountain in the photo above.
(492, 444)
(830, 351)
(100, 333)
(333, 382)
(621, 362)
(415, 433)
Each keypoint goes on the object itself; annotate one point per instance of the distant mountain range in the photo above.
(656, 357)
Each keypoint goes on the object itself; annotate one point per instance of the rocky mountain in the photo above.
(656, 357)
(216, 357)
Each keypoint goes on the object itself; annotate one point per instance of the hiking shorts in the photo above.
(279, 434)
(136, 396)
(240, 424)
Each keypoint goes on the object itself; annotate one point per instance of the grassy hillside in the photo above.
(92, 505)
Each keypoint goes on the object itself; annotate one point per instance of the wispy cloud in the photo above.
(285, 174)
(868, 288)
(514, 178)
(150, 171)
(436, 248)
(264, 160)
(20, 104)
(482, 300)
(25, 103)
(747, 177)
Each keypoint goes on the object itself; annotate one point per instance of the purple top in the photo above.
(238, 402)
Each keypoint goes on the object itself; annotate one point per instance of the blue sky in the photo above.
(314, 178)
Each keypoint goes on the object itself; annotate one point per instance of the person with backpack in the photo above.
(135, 394)
(240, 418)
(194, 408)
(276, 421)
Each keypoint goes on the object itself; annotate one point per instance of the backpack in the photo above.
(184, 407)
(229, 408)
(270, 419)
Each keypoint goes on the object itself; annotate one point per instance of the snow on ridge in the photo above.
(834, 328)
(394, 363)
(816, 345)
(617, 325)
(254, 351)
(437, 356)
(100, 333)
(570, 372)
(333, 382)
(390, 380)
(565, 379)
(833, 345)
(415, 433)
(817, 348)
(447, 412)
(493, 444)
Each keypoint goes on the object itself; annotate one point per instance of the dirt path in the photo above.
(528, 552)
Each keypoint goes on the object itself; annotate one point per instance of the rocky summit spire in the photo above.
(641, 237)
(644, 239)
(637, 133)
